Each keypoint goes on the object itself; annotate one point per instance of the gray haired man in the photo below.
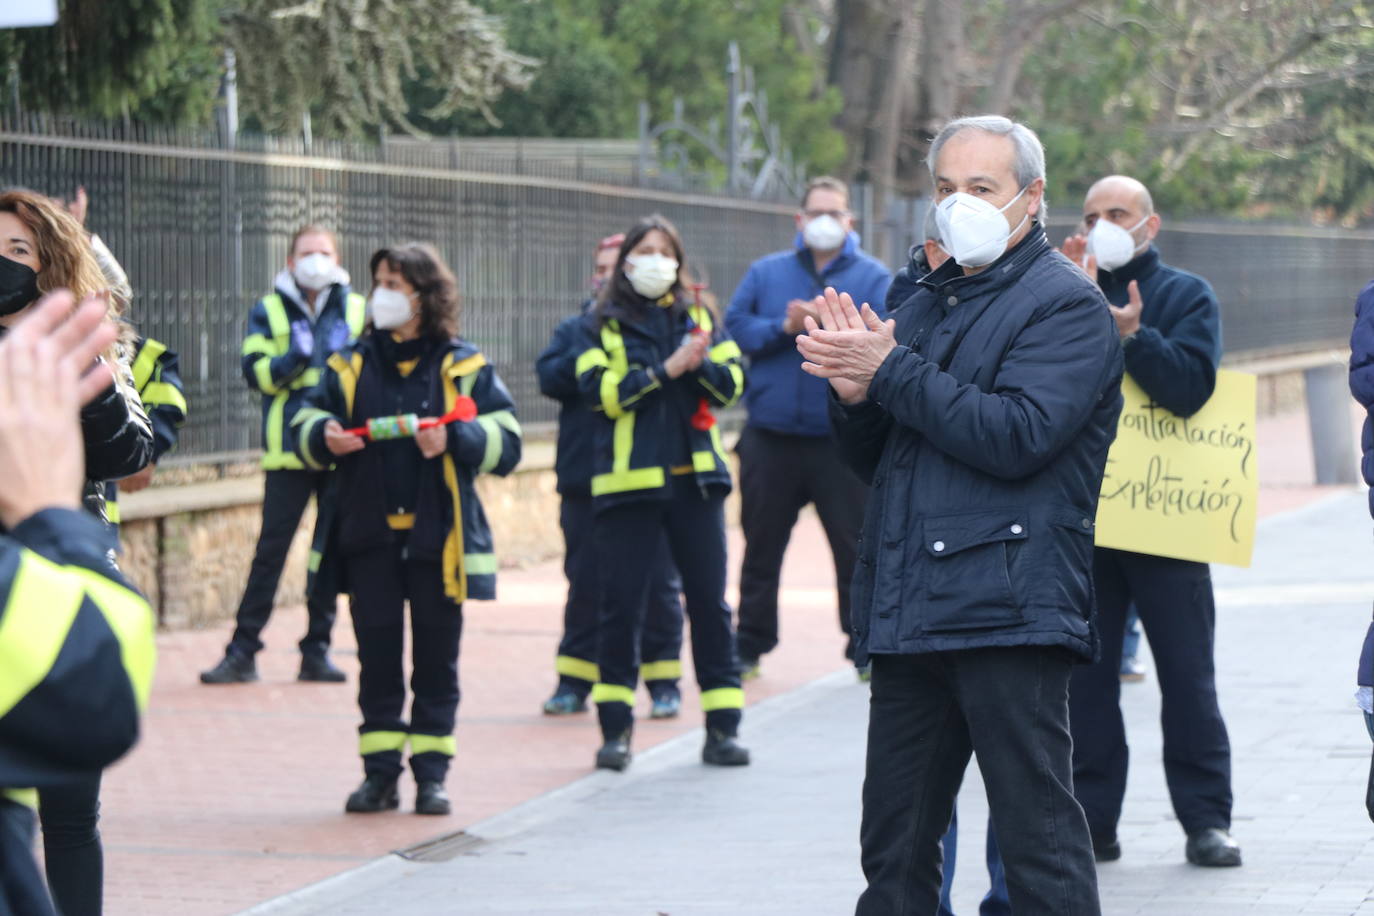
(981, 416)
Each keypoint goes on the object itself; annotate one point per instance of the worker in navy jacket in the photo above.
(1362, 386)
(787, 457)
(1170, 329)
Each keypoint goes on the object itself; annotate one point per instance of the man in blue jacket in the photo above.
(981, 416)
(1169, 323)
(787, 458)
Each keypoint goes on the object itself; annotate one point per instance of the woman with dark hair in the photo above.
(653, 364)
(408, 524)
(43, 248)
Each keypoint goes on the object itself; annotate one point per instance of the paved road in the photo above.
(672, 837)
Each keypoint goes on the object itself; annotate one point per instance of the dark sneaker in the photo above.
(320, 669)
(430, 798)
(1212, 848)
(564, 702)
(1106, 849)
(614, 754)
(377, 793)
(232, 669)
(723, 750)
(667, 703)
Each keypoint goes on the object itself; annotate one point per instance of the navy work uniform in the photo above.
(661, 642)
(655, 471)
(410, 528)
(76, 667)
(284, 376)
(157, 379)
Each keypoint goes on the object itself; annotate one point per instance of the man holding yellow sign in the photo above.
(1170, 329)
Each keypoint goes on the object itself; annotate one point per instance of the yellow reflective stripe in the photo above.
(146, 363)
(276, 416)
(652, 386)
(376, 742)
(506, 420)
(722, 698)
(466, 366)
(433, 744)
(479, 564)
(491, 454)
(595, 358)
(613, 693)
(703, 462)
(610, 394)
(260, 343)
(617, 367)
(577, 667)
(624, 481)
(276, 315)
(454, 570)
(355, 313)
(263, 370)
(313, 561)
(307, 379)
(26, 797)
(725, 351)
(736, 376)
(702, 316)
(307, 419)
(162, 394)
(131, 620)
(112, 513)
(43, 603)
(719, 448)
(666, 670)
(400, 521)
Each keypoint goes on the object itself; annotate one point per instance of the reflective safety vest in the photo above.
(270, 366)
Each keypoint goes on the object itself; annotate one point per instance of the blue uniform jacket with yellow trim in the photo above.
(283, 375)
(76, 667)
(557, 371)
(489, 444)
(157, 380)
(643, 414)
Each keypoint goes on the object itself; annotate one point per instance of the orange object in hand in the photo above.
(406, 425)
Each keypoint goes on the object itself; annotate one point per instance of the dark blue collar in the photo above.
(1134, 269)
(997, 275)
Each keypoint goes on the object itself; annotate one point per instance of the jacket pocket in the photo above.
(969, 570)
(1070, 565)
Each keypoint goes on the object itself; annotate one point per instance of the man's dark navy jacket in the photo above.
(1174, 355)
(984, 439)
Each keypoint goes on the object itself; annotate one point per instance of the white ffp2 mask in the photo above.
(651, 275)
(1113, 245)
(974, 232)
(390, 308)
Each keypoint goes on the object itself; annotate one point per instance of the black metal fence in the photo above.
(203, 229)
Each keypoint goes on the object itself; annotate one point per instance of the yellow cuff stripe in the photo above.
(613, 693)
(722, 698)
(376, 742)
(433, 744)
(666, 670)
(577, 667)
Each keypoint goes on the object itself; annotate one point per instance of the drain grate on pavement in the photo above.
(443, 848)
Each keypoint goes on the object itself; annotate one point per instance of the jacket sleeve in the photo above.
(757, 335)
(491, 443)
(1362, 349)
(116, 431)
(557, 365)
(611, 391)
(164, 400)
(1050, 379)
(1177, 367)
(861, 432)
(321, 404)
(720, 377)
(76, 651)
(265, 369)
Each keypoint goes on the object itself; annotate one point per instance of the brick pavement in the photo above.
(780, 837)
(235, 794)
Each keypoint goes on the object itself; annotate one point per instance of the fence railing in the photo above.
(203, 229)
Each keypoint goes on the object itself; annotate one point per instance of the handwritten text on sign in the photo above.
(1184, 488)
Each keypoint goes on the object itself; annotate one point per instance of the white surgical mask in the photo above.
(824, 233)
(1113, 245)
(653, 274)
(390, 308)
(314, 271)
(975, 232)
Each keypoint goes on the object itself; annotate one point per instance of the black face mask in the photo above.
(18, 285)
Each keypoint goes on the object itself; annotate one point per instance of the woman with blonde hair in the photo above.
(43, 248)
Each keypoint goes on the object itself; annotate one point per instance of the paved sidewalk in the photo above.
(673, 837)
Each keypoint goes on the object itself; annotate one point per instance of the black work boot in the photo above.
(320, 669)
(431, 798)
(615, 753)
(377, 793)
(1212, 847)
(723, 750)
(232, 669)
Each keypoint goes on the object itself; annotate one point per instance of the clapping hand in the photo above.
(847, 345)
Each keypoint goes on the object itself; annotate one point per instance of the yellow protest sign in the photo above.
(1184, 488)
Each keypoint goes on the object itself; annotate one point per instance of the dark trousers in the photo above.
(283, 503)
(627, 538)
(379, 584)
(1174, 601)
(928, 714)
(779, 475)
(72, 855)
(660, 644)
